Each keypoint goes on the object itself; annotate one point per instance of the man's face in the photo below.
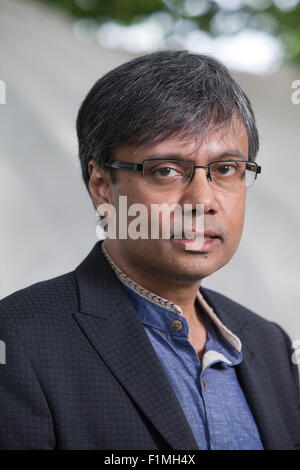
(223, 210)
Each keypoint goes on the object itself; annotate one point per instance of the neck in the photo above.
(177, 292)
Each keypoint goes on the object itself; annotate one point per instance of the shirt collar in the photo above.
(233, 340)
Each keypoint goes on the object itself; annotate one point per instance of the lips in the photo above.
(205, 242)
(199, 246)
(208, 234)
(211, 234)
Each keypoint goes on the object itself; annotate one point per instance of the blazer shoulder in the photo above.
(49, 296)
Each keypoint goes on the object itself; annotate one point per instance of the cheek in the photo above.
(234, 213)
(160, 216)
(127, 187)
(137, 192)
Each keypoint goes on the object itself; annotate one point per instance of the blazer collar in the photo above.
(253, 372)
(107, 317)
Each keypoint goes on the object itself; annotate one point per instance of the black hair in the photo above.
(155, 96)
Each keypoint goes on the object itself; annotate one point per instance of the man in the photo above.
(129, 351)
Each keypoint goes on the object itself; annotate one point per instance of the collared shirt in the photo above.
(208, 391)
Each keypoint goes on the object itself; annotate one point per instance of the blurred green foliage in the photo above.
(281, 18)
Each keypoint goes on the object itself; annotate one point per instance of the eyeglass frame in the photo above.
(123, 165)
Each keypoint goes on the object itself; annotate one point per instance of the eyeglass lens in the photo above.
(228, 175)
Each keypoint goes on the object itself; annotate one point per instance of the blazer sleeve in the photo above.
(25, 418)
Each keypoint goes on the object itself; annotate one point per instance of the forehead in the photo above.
(231, 138)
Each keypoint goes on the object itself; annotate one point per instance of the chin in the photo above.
(186, 272)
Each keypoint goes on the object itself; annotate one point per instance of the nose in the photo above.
(201, 191)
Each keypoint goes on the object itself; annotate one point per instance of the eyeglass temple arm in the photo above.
(125, 165)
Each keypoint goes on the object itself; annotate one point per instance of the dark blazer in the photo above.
(81, 373)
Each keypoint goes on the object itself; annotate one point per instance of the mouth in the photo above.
(199, 243)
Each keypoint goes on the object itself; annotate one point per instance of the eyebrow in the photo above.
(229, 153)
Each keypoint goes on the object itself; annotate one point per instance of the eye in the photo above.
(225, 169)
(167, 172)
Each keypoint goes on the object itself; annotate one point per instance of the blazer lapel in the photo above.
(253, 376)
(109, 320)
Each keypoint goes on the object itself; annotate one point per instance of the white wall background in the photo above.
(47, 223)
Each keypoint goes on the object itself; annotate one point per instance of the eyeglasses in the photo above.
(228, 175)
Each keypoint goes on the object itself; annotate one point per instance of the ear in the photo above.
(99, 184)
